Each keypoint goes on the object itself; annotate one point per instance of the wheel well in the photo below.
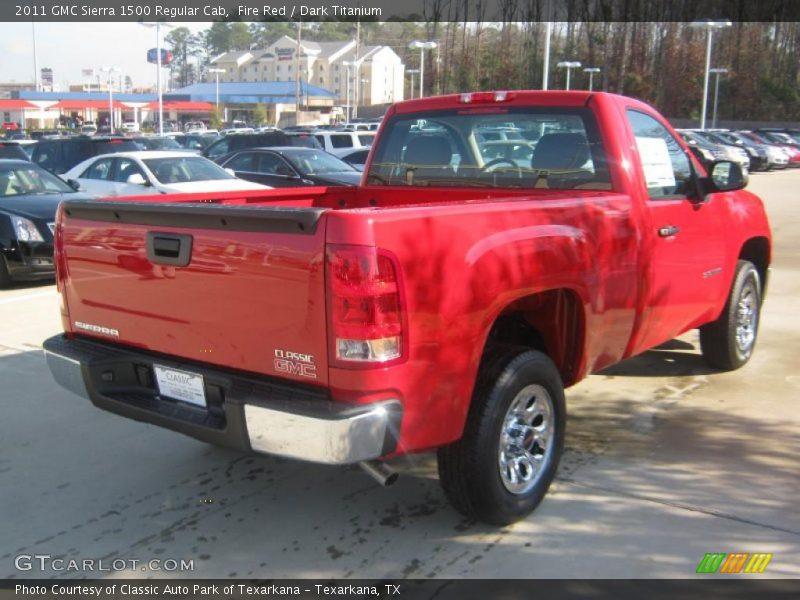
(551, 322)
(756, 250)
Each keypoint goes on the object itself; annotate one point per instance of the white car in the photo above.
(130, 127)
(154, 172)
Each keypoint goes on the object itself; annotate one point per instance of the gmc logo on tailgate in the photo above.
(295, 363)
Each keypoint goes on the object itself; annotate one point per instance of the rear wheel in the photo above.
(728, 342)
(502, 467)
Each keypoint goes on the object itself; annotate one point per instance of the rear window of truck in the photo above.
(550, 148)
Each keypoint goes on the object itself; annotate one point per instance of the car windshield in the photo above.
(183, 170)
(26, 181)
(316, 163)
(558, 148)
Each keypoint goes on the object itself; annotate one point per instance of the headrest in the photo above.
(560, 151)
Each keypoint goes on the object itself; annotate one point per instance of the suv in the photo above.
(12, 150)
(60, 155)
(242, 141)
(343, 142)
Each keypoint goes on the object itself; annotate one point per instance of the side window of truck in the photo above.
(666, 167)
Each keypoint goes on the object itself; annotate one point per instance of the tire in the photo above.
(471, 471)
(5, 277)
(728, 342)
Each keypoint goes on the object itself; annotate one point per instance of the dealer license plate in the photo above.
(180, 385)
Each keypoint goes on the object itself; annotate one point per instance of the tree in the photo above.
(259, 115)
(240, 38)
(215, 118)
(183, 45)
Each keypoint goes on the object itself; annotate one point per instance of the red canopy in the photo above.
(12, 104)
(185, 105)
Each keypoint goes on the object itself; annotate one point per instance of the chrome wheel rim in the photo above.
(526, 439)
(746, 318)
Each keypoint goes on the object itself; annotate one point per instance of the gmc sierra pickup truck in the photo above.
(501, 246)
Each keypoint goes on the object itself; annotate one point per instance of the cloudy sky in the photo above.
(67, 48)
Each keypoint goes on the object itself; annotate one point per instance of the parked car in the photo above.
(194, 126)
(291, 167)
(61, 154)
(791, 151)
(29, 197)
(89, 128)
(155, 142)
(759, 153)
(705, 152)
(153, 172)
(232, 143)
(342, 142)
(440, 305)
(357, 158)
(130, 127)
(729, 151)
(13, 150)
(195, 141)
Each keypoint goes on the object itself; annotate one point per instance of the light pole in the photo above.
(548, 34)
(717, 72)
(710, 27)
(412, 72)
(158, 25)
(347, 64)
(591, 71)
(569, 65)
(217, 72)
(364, 91)
(35, 59)
(109, 82)
(422, 46)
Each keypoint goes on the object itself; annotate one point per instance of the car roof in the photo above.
(145, 154)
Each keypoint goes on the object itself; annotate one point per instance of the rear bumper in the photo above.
(30, 260)
(244, 412)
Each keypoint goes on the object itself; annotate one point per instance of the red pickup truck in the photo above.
(501, 246)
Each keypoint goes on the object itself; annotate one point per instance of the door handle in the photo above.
(668, 231)
(169, 249)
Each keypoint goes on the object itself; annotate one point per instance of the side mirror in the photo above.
(137, 179)
(74, 185)
(726, 176)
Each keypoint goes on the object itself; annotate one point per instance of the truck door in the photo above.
(683, 237)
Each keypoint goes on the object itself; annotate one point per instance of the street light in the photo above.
(569, 65)
(217, 72)
(110, 71)
(412, 72)
(710, 26)
(422, 46)
(348, 64)
(158, 25)
(591, 71)
(717, 72)
(364, 83)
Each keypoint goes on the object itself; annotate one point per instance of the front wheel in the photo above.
(502, 467)
(728, 342)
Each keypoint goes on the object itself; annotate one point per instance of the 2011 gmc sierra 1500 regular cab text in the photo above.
(443, 304)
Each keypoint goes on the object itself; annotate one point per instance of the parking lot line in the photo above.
(27, 297)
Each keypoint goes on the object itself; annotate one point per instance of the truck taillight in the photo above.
(365, 304)
(60, 262)
(483, 97)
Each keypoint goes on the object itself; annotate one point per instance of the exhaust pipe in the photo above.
(380, 472)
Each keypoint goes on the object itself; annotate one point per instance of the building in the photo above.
(375, 76)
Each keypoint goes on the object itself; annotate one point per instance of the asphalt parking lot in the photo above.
(666, 461)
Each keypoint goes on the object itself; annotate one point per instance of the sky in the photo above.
(68, 48)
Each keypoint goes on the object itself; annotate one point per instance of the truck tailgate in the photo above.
(238, 287)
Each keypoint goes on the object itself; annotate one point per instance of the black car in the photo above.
(29, 197)
(12, 150)
(195, 141)
(289, 166)
(60, 155)
(242, 141)
(156, 143)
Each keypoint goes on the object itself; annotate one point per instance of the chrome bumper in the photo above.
(318, 431)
